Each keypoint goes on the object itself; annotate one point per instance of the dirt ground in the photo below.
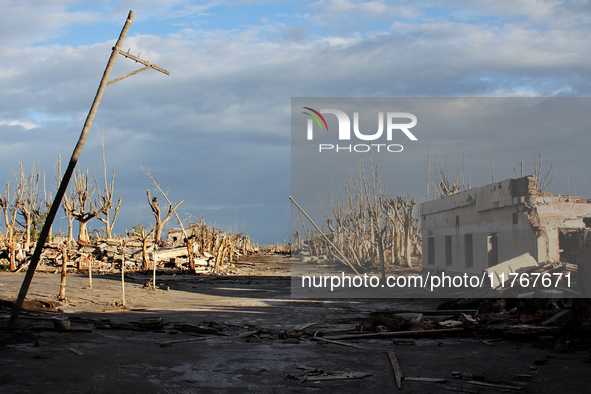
(109, 351)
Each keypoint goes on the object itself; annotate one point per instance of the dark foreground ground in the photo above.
(108, 351)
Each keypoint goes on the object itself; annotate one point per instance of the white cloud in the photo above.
(24, 124)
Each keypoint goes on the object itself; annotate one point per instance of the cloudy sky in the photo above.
(216, 132)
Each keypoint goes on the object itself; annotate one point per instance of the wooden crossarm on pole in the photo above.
(139, 60)
(128, 75)
(144, 62)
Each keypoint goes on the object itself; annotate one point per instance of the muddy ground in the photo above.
(108, 351)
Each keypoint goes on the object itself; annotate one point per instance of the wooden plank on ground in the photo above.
(396, 368)
(396, 334)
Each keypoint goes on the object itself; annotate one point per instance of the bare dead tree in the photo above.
(68, 206)
(442, 183)
(405, 226)
(84, 207)
(543, 180)
(160, 221)
(188, 239)
(219, 259)
(490, 165)
(10, 206)
(409, 225)
(47, 202)
(366, 225)
(68, 200)
(145, 238)
(30, 206)
(107, 198)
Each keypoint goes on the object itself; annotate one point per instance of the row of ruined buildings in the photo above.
(475, 229)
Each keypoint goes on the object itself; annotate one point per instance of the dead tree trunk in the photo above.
(67, 202)
(47, 201)
(83, 207)
(145, 238)
(190, 252)
(30, 201)
(107, 198)
(153, 201)
(408, 228)
(218, 256)
(10, 207)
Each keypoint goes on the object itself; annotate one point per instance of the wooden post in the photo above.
(90, 260)
(154, 270)
(67, 175)
(145, 259)
(123, 275)
(62, 294)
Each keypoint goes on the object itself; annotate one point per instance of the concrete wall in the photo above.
(512, 239)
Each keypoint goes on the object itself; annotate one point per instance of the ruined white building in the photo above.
(479, 228)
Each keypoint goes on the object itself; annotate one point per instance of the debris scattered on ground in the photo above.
(318, 375)
(426, 380)
(497, 386)
(338, 343)
(76, 351)
(460, 390)
(169, 343)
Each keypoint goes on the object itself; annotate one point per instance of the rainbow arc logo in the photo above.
(315, 118)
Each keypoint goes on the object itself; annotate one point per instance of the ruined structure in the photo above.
(482, 227)
(177, 236)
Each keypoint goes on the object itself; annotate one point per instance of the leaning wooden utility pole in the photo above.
(324, 235)
(74, 160)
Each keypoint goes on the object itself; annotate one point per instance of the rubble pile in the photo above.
(105, 256)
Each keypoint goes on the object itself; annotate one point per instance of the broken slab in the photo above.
(167, 253)
(503, 269)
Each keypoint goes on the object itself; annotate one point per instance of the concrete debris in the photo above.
(500, 272)
(151, 323)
